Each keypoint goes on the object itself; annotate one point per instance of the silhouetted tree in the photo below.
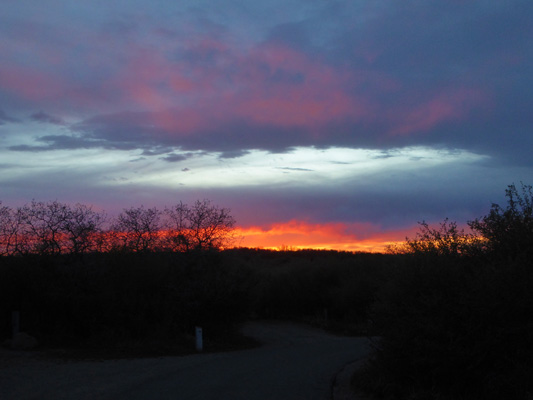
(508, 232)
(53, 228)
(83, 228)
(49, 228)
(138, 229)
(7, 229)
(15, 240)
(42, 225)
(446, 240)
(201, 226)
(212, 227)
(178, 227)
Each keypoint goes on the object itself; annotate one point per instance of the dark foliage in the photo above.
(509, 231)
(452, 330)
(119, 300)
(453, 311)
(54, 228)
(326, 288)
(114, 299)
(459, 325)
(447, 241)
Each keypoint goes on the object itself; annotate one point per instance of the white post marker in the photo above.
(199, 339)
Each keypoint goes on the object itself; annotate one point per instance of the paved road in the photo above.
(295, 362)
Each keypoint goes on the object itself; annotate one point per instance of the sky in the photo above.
(320, 123)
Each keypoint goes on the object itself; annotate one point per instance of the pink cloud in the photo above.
(150, 82)
(452, 105)
(30, 83)
(288, 88)
(215, 84)
(273, 85)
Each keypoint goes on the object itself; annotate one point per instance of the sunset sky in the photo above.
(320, 123)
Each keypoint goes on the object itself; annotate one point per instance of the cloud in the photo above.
(156, 151)
(295, 169)
(67, 142)
(453, 75)
(46, 118)
(234, 154)
(281, 98)
(175, 157)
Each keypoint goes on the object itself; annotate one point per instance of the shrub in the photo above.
(509, 231)
(456, 331)
(455, 327)
(447, 240)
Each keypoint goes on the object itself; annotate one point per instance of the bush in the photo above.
(447, 240)
(456, 327)
(455, 331)
(508, 232)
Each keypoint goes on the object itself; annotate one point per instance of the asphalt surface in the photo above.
(295, 362)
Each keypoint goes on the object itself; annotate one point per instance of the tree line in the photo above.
(504, 233)
(54, 228)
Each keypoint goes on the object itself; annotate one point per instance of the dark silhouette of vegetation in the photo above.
(201, 226)
(456, 316)
(123, 301)
(331, 289)
(508, 232)
(150, 302)
(55, 228)
(450, 312)
(151, 276)
(447, 240)
(138, 229)
(51, 228)
(79, 277)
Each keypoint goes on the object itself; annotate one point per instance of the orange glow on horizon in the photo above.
(329, 236)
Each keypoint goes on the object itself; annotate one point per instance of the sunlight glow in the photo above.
(330, 236)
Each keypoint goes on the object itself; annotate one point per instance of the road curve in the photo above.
(295, 362)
